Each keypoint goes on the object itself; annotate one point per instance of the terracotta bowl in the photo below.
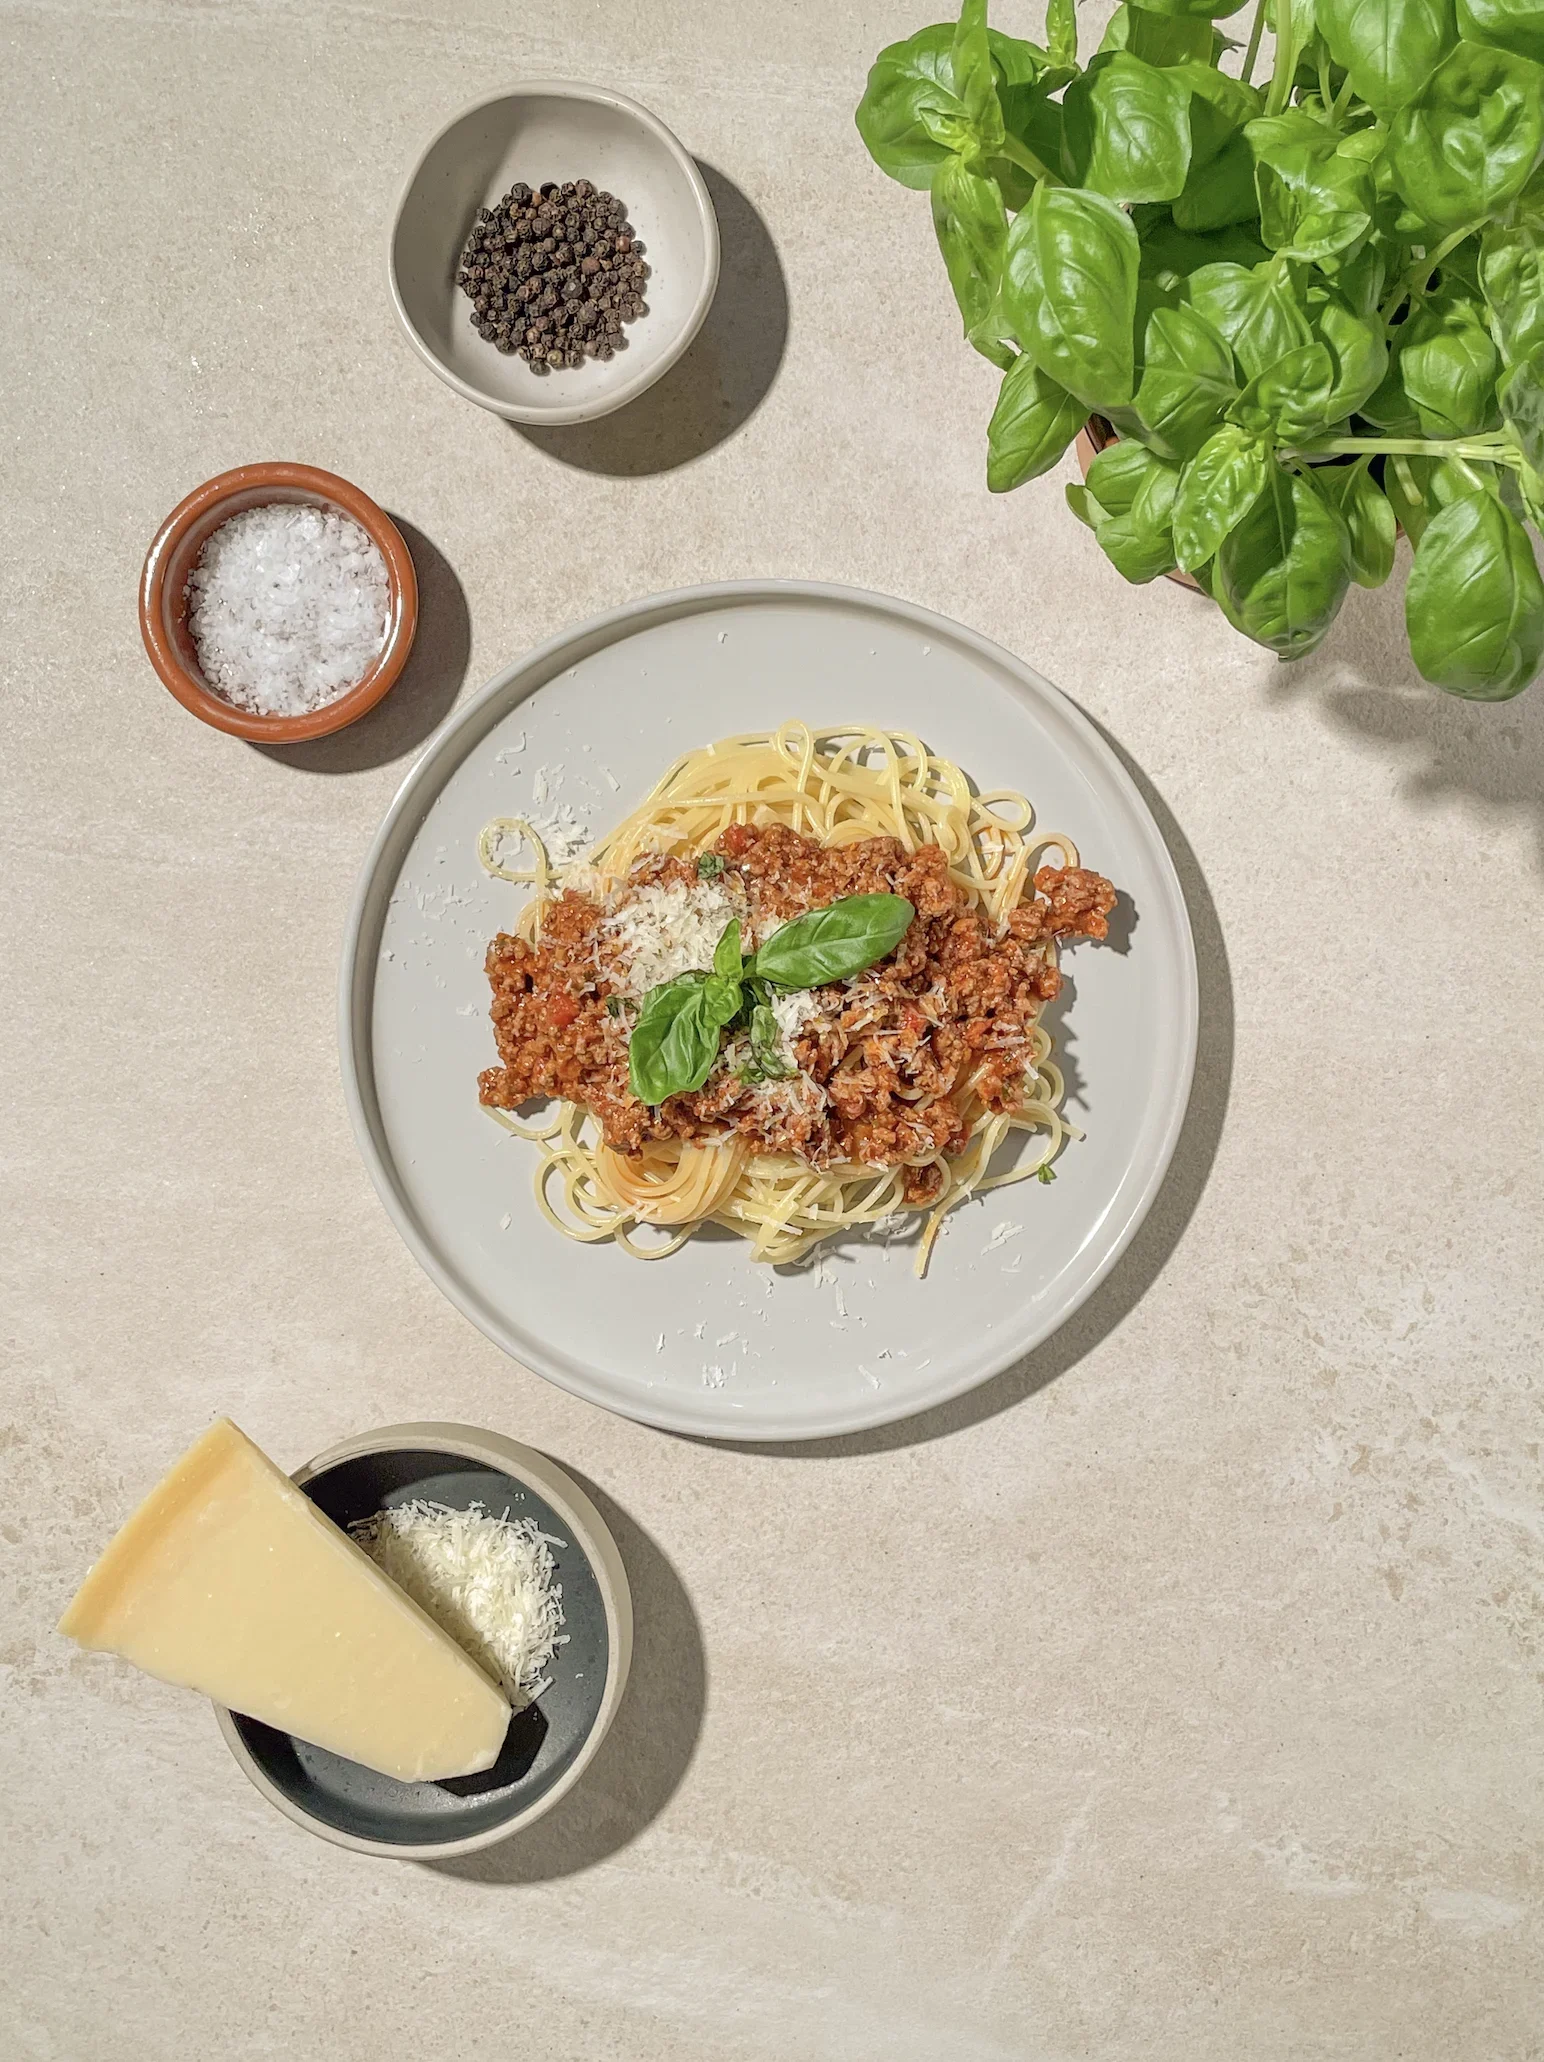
(163, 597)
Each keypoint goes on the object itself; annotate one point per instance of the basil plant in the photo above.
(1311, 305)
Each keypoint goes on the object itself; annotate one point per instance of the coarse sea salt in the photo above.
(287, 608)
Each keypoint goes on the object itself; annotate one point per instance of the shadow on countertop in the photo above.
(720, 381)
(651, 1741)
(1160, 1231)
(422, 698)
(1364, 684)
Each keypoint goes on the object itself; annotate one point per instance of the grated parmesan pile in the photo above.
(668, 929)
(486, 1581)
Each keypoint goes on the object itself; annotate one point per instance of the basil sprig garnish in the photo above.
(679, 1029)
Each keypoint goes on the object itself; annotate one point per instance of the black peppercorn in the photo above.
(553, 274)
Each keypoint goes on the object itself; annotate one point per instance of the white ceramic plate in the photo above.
(708, 1342)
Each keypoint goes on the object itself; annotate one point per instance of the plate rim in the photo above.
(543, 662)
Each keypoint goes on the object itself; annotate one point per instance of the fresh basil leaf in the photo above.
(1293, 394)
(1162, 39)
(911, 116)
(1032, 425)
(1216, 491)
(1521, 395)
(710, 866)
(767, 1046)
(1511, 277)
(1187, 382)
(727, 957)
(1219, 188)
(1369, 519)
(1127, 129)
(1388, 407)
(1466, 143)
(1515, 25)
(1083, 505)
(1282, 572)
(1118, 474)
(674, 1041)
(1407, 483)
(975, 78)
(833, 944)
(1061, 31)
(1168, 248)
(721, 999)
(972, 232)
(1448, 365)
(1254, 311)
(1474, 607)
(1140, 543)
(1199, 10)
(1390, 47)
(1313, 202)
(1357, 351)
(1069, 288)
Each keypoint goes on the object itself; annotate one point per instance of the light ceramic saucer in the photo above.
(708, 1342)
(553, 129)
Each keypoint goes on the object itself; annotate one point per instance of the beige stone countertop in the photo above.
(1175, 1696)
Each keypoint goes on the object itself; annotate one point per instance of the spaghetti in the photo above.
(951, 1031)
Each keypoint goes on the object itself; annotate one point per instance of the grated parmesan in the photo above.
(670, 928)
(486, 1581)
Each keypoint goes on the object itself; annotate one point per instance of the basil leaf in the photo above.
(1282, 574)
(970, 57)
(674, 1042)
(1216, 491)
(1293, 394)
(721, 1000)
(1515, 25)
(1369, 520)
(972, 232)
(1521, 395)
(1187, 381)
(1199, 10)
(1313, 202)
(911, 116)
(1448, 366)
(727, 959)
(833, 944)
(710, 866)
(1407, 483)
(1465, 145)
(1357, 350)
(1390, 47)
(1474, 607)
(767, 1059)
(1127, 129)
(1070, 287)
(1032, 425)
(1254, 311)
(1162, 39)
(1061, 31)
(1119, 473)
(1511, 276)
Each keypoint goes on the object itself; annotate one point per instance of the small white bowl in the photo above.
(553, 129)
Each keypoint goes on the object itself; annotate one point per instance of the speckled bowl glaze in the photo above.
(540, 130)
(163, 597)
(551, 1742)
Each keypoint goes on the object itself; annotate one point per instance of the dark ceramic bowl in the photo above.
(551, 1742)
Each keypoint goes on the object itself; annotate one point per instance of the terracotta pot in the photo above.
(1095, 434)
(163, 597)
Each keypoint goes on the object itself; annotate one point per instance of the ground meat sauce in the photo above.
(879, 1062)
